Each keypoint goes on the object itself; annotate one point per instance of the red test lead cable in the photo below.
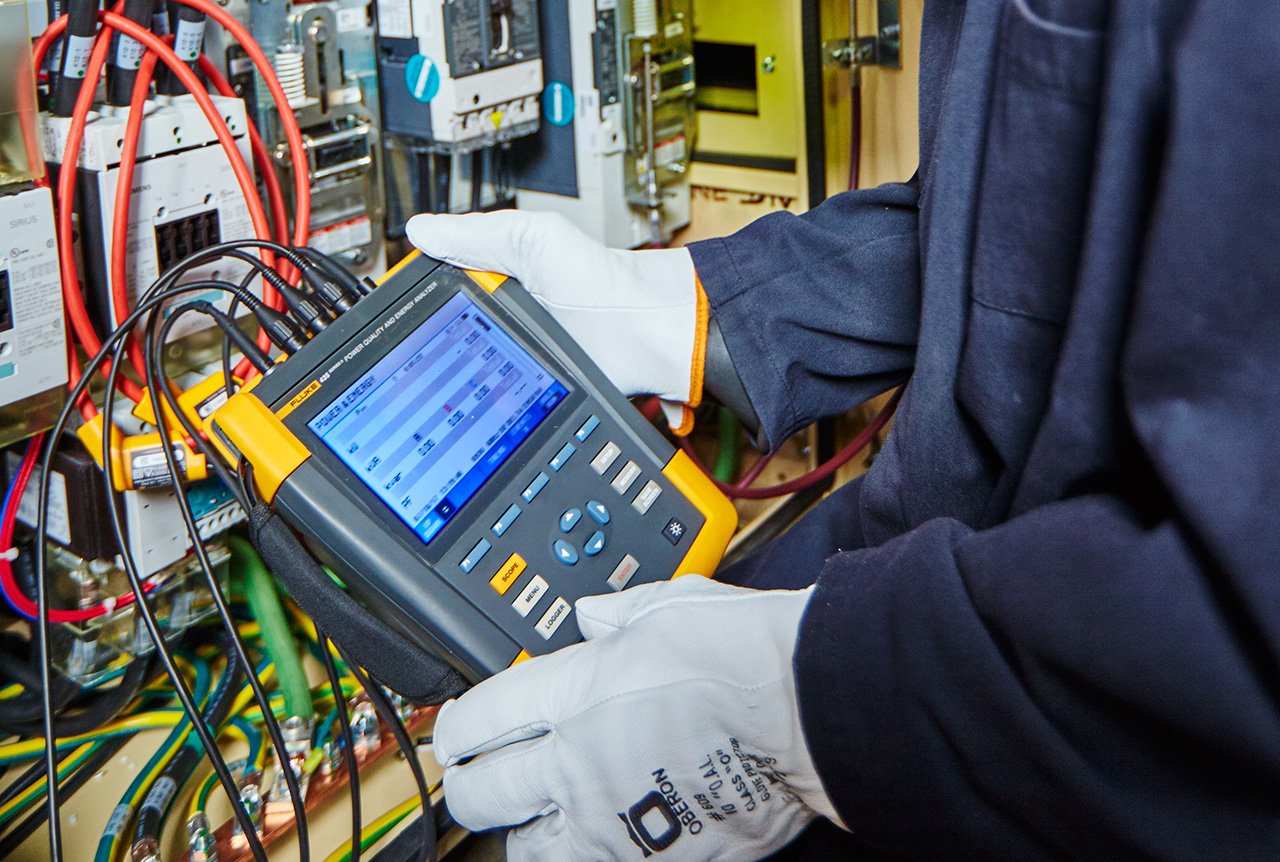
(128, 161)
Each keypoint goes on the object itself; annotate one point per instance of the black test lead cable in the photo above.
(348, 743)
(224, 611)
(147, 612)
(160, 292)
(154, 298)
(387, 713)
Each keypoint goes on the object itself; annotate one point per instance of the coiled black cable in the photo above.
(99, 709)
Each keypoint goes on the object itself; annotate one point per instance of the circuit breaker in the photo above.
(618, 119)
(462, 74)
(460, 81)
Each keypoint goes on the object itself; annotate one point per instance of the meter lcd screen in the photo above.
(436, 417)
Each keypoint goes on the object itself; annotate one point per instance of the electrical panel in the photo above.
(33, 347)
(618, 120)
(323, 54)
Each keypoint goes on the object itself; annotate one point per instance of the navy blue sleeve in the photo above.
(820, 311)
(1100, 677)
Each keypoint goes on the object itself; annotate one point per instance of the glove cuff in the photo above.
(680, 416)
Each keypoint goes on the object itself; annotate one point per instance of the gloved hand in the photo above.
(672, 729)
(640, 315)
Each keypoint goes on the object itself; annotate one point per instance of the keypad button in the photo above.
(598, 513)
(562, 457)
(587, 429)
(554, 618)
(535, 487)
(648, 495)
(624, 480)
(674, 531)
(603, 461)
(565, 553)
(570, 519)
(477, 554)
(594, 545)
(530, 596)
(504, 523)
(625, 571)
(507, 576)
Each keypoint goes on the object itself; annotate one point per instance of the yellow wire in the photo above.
(303, 622)
(38, 789)
(246, 694)
(256, 765)
(399, 812)
(145, 786)
(134, 723)
(9, 692)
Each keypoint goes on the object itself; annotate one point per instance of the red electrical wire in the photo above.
(822, 473)
(64, 198)
(77, 314)
(297, 152)
(128, 161)
(124, 196)
(8, 583)
(288, 122)
(275, 196)
(751, 475)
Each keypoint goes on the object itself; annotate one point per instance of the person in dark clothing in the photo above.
(1047, 623)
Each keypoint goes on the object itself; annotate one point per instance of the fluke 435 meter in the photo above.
(450, 452)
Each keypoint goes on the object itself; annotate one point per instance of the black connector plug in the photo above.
(335, 271)
(313, 317)
(283, 332)
(242, 341)
(329, 291)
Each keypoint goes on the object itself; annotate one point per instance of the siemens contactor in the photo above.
(450, 452)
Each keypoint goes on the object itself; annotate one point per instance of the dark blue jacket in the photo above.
(1047, 623)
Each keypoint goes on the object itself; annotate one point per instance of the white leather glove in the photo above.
(673, 730)
(640, 315)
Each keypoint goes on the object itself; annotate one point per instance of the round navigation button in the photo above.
(598, 513)
(570, 519)
(565, 553)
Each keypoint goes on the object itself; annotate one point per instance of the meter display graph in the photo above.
(436, 417)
